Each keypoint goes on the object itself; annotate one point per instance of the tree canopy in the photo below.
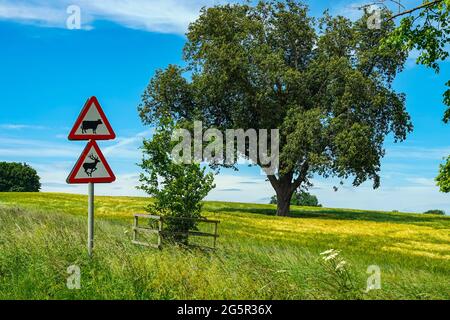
(18, 177)
(324, 83)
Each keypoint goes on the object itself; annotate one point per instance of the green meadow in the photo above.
(259, 255)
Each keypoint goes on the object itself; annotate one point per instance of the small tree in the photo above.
(18, 177)
(178, 189)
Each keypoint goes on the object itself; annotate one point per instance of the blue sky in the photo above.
(47, 72)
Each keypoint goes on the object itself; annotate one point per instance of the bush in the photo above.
(301, 198)
(177, 188)
(437, 212)
(18, 177)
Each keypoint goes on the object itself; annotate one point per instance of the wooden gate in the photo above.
(156, 226)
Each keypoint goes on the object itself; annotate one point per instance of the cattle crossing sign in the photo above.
(91, 167)
(92, 123)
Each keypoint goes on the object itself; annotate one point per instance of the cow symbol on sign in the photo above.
(90, 125)
(90, 167)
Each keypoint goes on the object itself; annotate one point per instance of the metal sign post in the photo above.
(91, 167)
(90, 218)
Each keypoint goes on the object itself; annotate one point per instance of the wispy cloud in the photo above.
(417, 153)
(168, 16)
(128, 147)
(251, 188)
(121, 148)
(12, 126)
(419, 181)
(350, 10)
(33, 13)
(53, 177)
(14, 148)
(420, 195)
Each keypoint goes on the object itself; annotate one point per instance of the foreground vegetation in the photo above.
(260, 256)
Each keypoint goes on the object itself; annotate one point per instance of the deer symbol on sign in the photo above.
(90, 167)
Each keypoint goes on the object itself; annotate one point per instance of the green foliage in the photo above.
(177, 188)
(301, 198)
(326, 84)
(18, 177)
(429, 33)
(443, 179)
(436, 212)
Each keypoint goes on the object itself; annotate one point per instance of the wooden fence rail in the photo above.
(160, 232)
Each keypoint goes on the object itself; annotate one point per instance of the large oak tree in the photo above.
(325, 83)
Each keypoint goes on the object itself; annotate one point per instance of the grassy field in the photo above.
(260, 256)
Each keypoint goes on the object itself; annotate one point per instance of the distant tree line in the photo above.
(437, 212)
(18, 177)
(301, 198)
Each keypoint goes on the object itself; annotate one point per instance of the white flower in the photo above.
(341, 265)
(331, 256)
(327, 252)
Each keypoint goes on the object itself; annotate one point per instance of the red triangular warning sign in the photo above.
(91, 167)
(92, 123)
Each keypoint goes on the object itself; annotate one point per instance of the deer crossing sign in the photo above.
(91, 167)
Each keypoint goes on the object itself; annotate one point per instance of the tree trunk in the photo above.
(283, 205)
(284, 188)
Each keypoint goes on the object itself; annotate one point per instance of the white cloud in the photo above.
(128, 147)
(54, 180)
(21, 11)
(420, 196)
(241, 188)
(121, 148)
(24, 149)
(168, 16)
(419, 181)
(401, 152)
(351, 10)
(12, 126)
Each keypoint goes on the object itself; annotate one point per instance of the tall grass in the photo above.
(259, 257)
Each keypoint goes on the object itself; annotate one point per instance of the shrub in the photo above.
(177, 188)
(18, 177)
(437, 212)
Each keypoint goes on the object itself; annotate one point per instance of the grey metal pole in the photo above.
(90, 218)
